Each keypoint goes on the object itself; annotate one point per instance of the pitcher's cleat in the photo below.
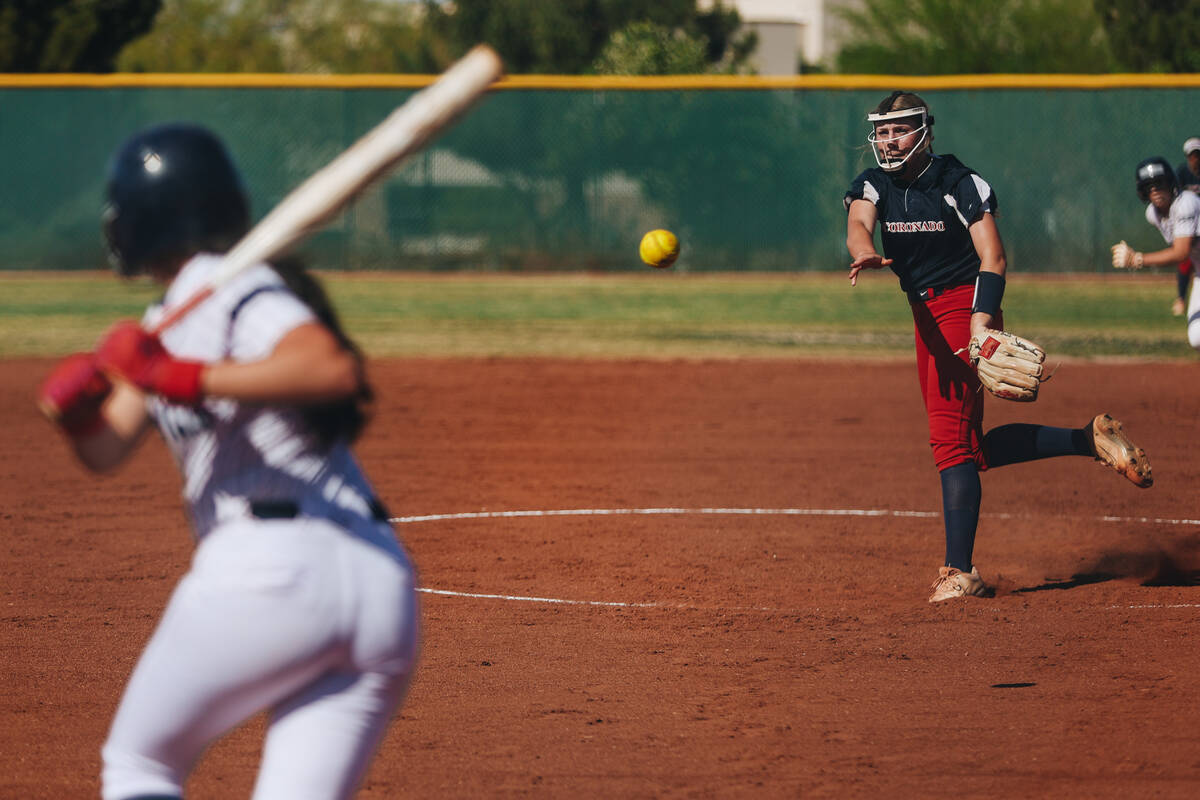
(1114, 449)
(954, 582)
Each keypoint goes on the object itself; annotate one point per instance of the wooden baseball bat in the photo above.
(314, 202)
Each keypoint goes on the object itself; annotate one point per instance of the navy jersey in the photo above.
(924, 224)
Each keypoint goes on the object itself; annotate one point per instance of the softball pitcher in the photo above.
(940, 237)
(1176, 214)
(299, 600)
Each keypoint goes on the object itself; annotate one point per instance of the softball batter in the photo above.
(940, 237)
(299, 600)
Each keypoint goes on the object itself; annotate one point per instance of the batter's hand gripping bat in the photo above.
(314, 202)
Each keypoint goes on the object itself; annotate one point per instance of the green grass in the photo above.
(644, 315)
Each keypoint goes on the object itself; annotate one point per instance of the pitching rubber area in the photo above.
(678, 579)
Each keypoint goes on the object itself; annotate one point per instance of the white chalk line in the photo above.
(601, 603)
(794, 512)
(601, 512)
(805, 512)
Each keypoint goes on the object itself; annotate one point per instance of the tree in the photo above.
(569, 160)
(567, 36)
(644, 48)
(69, 35)
(719, 26)
(294, 36)
(922, 37)
(1153, 35)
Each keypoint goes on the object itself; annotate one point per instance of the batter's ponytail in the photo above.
(343, 419)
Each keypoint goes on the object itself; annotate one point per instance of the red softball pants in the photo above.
(949, 385)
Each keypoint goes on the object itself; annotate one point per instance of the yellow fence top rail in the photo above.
(596, 82)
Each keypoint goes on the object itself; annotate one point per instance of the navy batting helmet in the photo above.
(172, 191)
(1155, 171)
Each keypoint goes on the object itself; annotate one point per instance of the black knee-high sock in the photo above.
(961, 493)
(1182, 281)
(1012, 444)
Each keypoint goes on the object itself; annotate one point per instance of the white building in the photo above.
(790, 32)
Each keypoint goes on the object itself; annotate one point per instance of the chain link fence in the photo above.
(750, 175)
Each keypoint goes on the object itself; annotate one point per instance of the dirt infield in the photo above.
(704, 653)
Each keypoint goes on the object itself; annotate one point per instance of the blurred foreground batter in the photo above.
(299, 601)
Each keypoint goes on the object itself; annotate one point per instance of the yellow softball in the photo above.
(659, 248)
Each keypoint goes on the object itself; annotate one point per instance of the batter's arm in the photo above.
(307, 366)
(125, 423)
(861, 217)
(985, 235)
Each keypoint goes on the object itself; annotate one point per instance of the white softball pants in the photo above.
(1193, 313)
(300, 617)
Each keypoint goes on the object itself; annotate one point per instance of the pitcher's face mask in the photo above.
(889, 132)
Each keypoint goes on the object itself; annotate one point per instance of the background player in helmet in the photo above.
(299, 600)
(1188, 175)
(1188, 171)
(939, 234)
(1176, 214)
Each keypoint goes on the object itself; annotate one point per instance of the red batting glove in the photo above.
(135, 354)
(73, 393)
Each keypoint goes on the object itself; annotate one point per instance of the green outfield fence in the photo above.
(566, 173)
